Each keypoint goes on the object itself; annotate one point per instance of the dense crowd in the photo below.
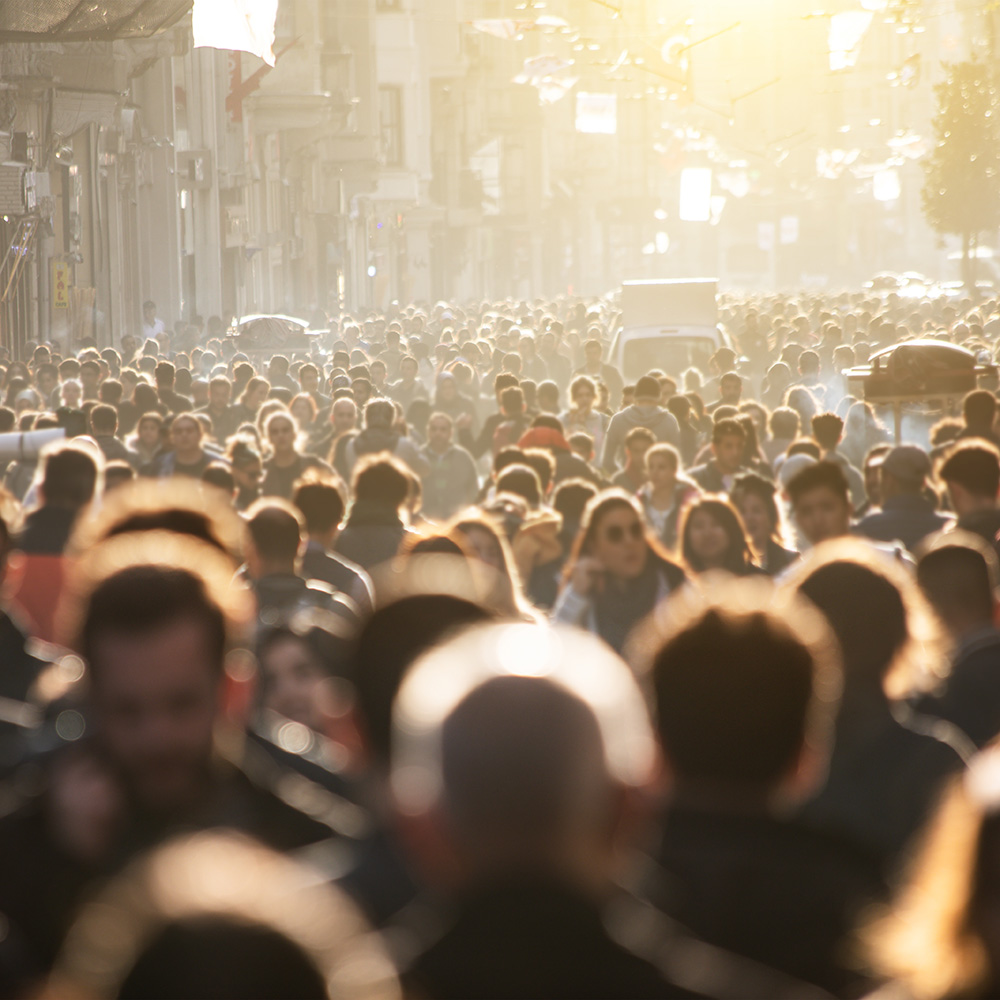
(439, 660)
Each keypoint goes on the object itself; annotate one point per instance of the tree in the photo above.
(961, 193)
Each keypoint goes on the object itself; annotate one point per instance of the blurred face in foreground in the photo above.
(294, 681)
(155, 696)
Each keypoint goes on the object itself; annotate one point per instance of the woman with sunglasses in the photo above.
(713, 539)
(617, 572)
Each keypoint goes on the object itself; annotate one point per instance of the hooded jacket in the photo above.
(661, 422)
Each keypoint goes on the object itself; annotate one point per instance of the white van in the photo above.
(667, 324)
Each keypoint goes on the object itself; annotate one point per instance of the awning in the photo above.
(86, 20)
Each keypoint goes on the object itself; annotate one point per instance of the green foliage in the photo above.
(961, 192)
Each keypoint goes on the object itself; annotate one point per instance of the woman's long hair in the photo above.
(739, 558)
(606, 502)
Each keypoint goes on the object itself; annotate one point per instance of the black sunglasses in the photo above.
(616, 533)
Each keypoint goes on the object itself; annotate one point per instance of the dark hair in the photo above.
(222, 956)
(219, 475)
(728, 427)
(974, 465)
(141, 599)
(637, 434)
(784, 422)
(959, 576)
(543, 462)
(104, 419)
(69, 477)
(979, 408)
(732, 695)
(504, 380)
(827, 429)
(522, 481)
(392, 639)
(820, 475)
(570, 499)
(381, 478)
(865, 610)
(321, 505)
(737, 559)
(275, 529)
(804, 446)
(754, 485)
(512, 400)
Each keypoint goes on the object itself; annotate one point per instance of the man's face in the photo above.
(593, 355)
(185, 435)
(89, 378)
(821, 515)
(309, 380)
(155, 698)
(46, 383)
(728, 452)
(439, 434)
(148, 314)
(345, 415)
(731, 389)
(219, 394)
(408, 370)
(636, 453)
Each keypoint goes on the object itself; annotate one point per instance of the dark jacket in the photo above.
(450, 481)
(372, 535)
(709, 477)
(970, 697)
(528, 940)
(770, 889)
(907, 518)
(281, 595)
(319, 563)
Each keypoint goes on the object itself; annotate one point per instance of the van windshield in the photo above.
(669, 354)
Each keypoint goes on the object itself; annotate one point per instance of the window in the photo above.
(390, 104)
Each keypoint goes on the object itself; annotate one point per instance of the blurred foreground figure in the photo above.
(941, 939)
(217, 915)
(154, 619)
(518, 755)
(745, 688)
(888, 765)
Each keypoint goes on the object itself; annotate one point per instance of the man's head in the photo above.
(821, 502)
(904, 471)
(154, 636)
(972, 474)
(637, 442)
(104, 420)
(872, 473)
(90, 375)
(165, 373)
(512, 401)
(439, 431)
(185, 436)
(274, 538)
(541, 799)
(220, 392)
(647, 391)
(958, 574)
(148, 312)
(380, 414)
(503, 380)
(730, 388)
(979, 408)
(381, 479)
(827, 429)
(745, 689)
(69, 477)
(784, 423)
(322, 506)
(729, 438)
(593, 352)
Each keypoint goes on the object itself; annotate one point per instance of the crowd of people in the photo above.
(440, 661)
